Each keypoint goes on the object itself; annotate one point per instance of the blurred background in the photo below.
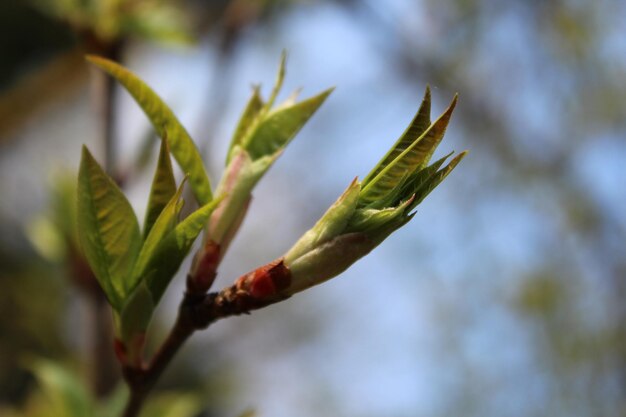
(503, 297)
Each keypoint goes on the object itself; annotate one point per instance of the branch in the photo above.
(197, 312)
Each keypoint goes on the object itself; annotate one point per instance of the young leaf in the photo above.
(166, 124)
(171, 250)
(418, 126)
(280, 126)
(280, 77)
(249, 116)
(435, 180)
(240, 177)
(107, 228)
(163, 225)
(331, 224)
(163, 188)
(414, 157)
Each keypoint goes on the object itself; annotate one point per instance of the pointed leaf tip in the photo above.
(107, 229)
(165, 123)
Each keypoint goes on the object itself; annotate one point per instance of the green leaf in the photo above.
(172, 250)
(418, 126)
(276, 129)
(248, 118)
(166, 124)
(412, 158)
(107, 228)
(330, 225)
(67, 395)
(280, 77)
(163, 225)
(369, 220)
(435, 180)
(163, 188)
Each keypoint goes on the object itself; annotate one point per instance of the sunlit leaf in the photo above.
(108, 229)
(418, 126)
(412, 158)
(166, 124)
(163, 188)
(280, 126)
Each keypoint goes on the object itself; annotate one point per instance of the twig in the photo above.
(196, 312)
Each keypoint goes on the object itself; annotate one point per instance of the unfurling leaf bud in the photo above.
(368, 212)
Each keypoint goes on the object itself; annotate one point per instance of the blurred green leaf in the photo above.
(166, 124)
(154, 21)
(173, 405)
(46, 238)
(113, 405)
(108, 229)
(163, 188)
(67, 394)
(412, 158)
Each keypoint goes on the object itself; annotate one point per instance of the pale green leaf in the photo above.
(412, 158)
(418, 126)
(166, 124)
(108, 229)
(163, 188)
(279, 126)
(328, 260)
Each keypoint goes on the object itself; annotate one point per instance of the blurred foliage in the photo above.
(61, 392)
(110, 20)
